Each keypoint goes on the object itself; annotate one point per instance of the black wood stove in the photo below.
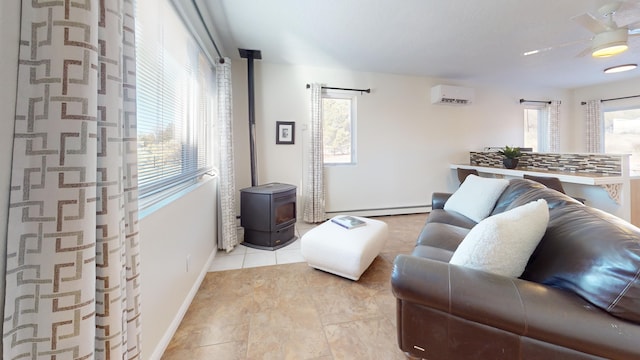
(268, 215)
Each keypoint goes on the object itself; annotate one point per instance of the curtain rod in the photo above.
(336, 88)
(619, 98)
(221, 58)
(535, 101)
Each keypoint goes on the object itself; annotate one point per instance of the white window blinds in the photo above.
(176, 100)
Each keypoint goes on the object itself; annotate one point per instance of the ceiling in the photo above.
(465, 41)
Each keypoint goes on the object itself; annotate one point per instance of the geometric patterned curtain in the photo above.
(73, 262)
(228, 236)
(313, 184)
(553, 111)
(593, 123)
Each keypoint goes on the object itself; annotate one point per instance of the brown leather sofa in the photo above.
(578, 298)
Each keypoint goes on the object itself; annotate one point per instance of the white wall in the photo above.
(404, 143)
(184, 228)
(9, 28)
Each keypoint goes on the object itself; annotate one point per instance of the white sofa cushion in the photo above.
(502, 244)
(476, 197)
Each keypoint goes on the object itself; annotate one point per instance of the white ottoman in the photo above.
(345, 252)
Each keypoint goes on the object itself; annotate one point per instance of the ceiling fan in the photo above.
(610, 38)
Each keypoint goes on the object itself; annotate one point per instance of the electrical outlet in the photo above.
(188, 262)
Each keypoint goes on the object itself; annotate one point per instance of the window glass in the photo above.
(175, 101)
(536, 132)
(622, 134)
(338, 124)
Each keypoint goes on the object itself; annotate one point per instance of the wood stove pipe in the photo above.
(250, 55)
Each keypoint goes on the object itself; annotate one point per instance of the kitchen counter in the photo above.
(564, 176)
(617, 187)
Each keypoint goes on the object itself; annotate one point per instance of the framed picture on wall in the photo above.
(285, 132)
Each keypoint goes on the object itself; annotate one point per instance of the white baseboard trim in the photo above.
(171, 331)
(401, 210)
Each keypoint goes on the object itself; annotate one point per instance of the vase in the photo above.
(510, 163)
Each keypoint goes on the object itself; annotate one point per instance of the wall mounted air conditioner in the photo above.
(453, 95)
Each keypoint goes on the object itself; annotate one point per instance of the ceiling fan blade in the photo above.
(627, 14)
(549, 48)
(590, 23)
(634, 29)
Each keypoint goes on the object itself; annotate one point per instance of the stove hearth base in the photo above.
(269, 240)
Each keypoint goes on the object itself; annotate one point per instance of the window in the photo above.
(176, 96)
(531, 117)
(622, 134)
(338, 128)
(535, 126)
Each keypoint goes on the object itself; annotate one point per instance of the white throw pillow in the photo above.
(502, 244)
(476, 197)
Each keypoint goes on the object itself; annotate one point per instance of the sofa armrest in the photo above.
(471, 294)
(518, 306)
(438, 199)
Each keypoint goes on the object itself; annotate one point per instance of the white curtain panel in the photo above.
(593, 119)
(553, 111)
(313, 184)
(73, 261)
(227, 236)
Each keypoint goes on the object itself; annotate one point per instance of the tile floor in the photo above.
(292, 311)
(243, 257)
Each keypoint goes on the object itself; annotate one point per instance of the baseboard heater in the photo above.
(400, 210)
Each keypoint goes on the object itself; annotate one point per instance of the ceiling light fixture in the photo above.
(620, 68)
(610, 43)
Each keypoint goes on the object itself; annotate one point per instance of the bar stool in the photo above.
(552, 183)
(463, 173)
